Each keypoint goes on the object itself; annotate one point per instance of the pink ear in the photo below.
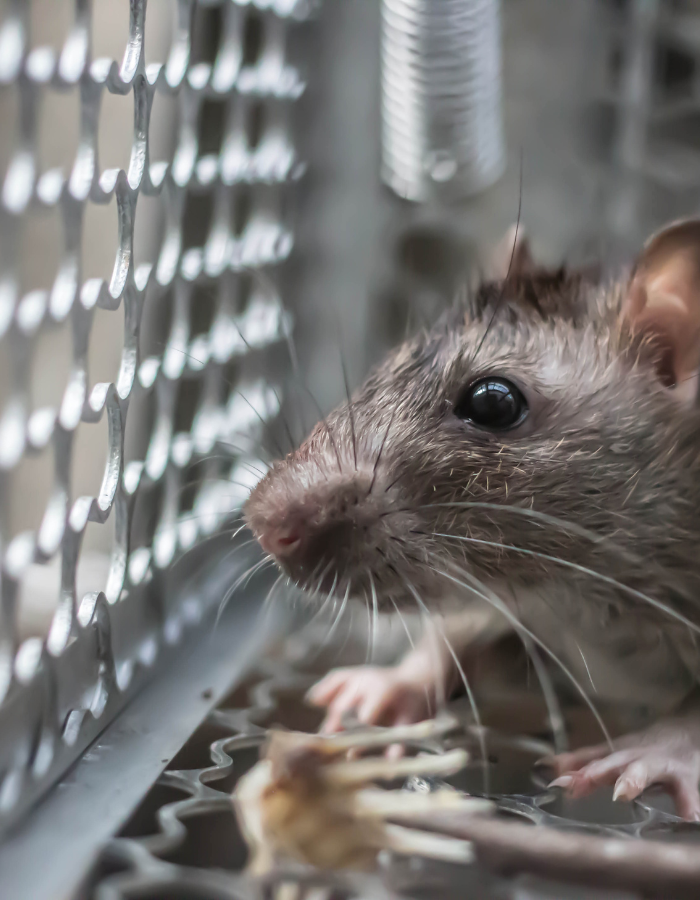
(663, 303)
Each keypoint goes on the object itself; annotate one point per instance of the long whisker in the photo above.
(402, 620)
(375, 611)
(467, 686)
(261, 564)
(230, 457)
(241, 450)
(545, 518)
(479, 589)
(607, 579)
(339, 614)
(320, 582)
(350, 413)
(304, 588)
(554, 713)
(370, 648)
(330, 596)
(510, 263)
(265, 424)
(211, 480)
(324, 420)
(381, 450)
(267, 602)
(348, 633)
(266, 607)
(288, 430)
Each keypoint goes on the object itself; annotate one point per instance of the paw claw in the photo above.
(564, 781)
(627, 790)
(667, 754)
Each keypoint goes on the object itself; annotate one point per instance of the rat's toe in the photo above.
(679, 779)
(596, 774)
(563, 763)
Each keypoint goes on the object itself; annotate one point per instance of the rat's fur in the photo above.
(605, 448)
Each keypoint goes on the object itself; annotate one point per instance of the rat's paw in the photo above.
(667, 754)
(375, 694)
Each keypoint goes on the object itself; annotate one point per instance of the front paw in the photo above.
(667, 754)
(377, 695)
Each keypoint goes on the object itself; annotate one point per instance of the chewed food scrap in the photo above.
(307, 801)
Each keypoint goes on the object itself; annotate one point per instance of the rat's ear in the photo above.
(663, 304)
(514, 244)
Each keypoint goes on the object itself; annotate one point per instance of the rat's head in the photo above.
(540, 409)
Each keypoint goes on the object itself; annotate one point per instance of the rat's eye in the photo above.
(492, 403)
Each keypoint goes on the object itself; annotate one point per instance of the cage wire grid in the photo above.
(58, 690)
(184, 835)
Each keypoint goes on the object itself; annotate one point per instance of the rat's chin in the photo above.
(382, 590)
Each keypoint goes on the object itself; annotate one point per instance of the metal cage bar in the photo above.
(186, 410)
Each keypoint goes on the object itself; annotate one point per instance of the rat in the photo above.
(532, 460)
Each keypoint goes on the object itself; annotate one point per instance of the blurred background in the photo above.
(599, 101)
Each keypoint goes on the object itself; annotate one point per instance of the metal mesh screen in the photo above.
(157, 375)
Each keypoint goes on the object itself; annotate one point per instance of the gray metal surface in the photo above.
(97, 797)
(442, 114)
(185, 419)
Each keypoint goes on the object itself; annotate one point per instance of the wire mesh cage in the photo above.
(145, 195)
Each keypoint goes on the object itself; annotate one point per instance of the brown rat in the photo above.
(536, 455)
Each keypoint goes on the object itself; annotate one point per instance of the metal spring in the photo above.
(442, 122)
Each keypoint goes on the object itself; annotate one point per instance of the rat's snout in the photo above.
(318, 529)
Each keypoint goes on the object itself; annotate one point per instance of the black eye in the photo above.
(492, 403)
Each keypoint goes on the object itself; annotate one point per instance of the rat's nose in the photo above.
(280, 541)
(313, 527)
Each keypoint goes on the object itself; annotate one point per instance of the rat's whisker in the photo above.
(287, 429)
(544, 518)
(248, 574)
(465, 681)
(607, 579)
(229, 457)
(479, 589)
(347, 394)
(348, 632)
(305, 587)
(266, 607)
(554, 713)
(330, 595)
(268, 599)
(375, 468)
(375, 610)
(330, 599)
(240, 450)
(441, 700)
(210, 480)
(585, 663)
(339, 615)
(239, 530)
(370, 648)
(510, 265)
(402, 620)
(265, 423)
(324, 420)
(321, 577)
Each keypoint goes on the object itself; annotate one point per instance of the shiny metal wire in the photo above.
(199, 398)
